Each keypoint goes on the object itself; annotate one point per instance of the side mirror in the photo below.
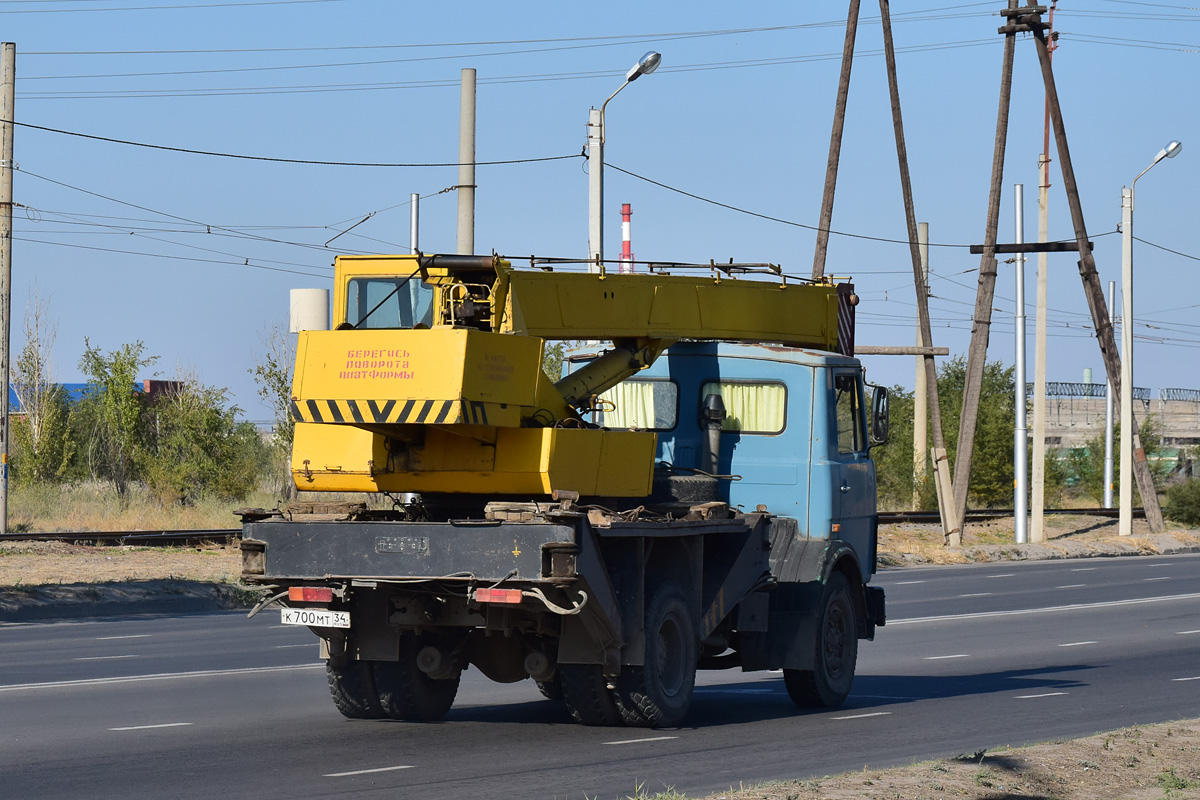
(880, 415)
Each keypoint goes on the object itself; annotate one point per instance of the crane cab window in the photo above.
(388, 302)
(750, 406)
(640, 404)
(850, 418)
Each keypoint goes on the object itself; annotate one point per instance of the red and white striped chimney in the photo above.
(626, 265)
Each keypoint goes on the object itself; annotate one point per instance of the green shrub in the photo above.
(1183, 502)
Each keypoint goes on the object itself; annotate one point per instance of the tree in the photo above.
(195, 446)
(273, 374)
(41, 433)
(113, 406)
(1085, 465)
(894, 460)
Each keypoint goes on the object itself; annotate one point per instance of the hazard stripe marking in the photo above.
(314, 410)
(334, 411)
(445, 412)
(354, 411)
(425, 409)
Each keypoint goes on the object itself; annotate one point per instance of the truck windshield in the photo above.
(403, 305)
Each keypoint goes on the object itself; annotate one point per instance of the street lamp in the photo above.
(645, 65)
(1125, 527)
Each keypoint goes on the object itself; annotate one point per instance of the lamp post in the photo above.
(1125, 527)
(645, 65)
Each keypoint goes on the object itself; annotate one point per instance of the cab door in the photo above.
(854, 479)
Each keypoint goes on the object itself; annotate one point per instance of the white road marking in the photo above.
(286, 646)
(906, 583)
(161, 676)
(977, 594)
(1160, 578)
(132, 636)
(148, 727)
(1197, 678)
(366, 771)
(887, 697)
(863, 716)
(1005, 575)
(1084, 569)
(1035, 696)
(1076, 644)
(1073, 586)
(1185, 633)
(1157, 565)
(939, 658)
(649, 739)
(1072, 607)
(102, 658)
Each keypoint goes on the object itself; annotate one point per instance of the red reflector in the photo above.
(497, 595)
(310, 594)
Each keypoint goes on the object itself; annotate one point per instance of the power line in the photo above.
(245, 263)
(277, 159)
(162, 8)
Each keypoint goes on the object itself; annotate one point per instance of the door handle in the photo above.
(845, 487)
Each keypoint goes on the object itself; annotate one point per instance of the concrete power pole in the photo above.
(920, 390)
(466, 165)
(1037, 530)
(8, 72)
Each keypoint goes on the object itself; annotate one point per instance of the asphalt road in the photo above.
(974, 657)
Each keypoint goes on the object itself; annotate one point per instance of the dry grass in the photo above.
(1148, 761)
(96, 507)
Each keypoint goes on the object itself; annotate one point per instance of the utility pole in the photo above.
(466, 165)
(920, 390)
(1108, 412)
(1020, 440)
(8, 72)
(835, 144)
(1037, 526)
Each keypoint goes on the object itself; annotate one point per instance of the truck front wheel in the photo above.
(585, 691)
(660, 693)
(407, 693)
(828, 683)
(352, 687)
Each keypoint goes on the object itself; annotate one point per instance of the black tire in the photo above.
(692, 489)
(659, 694)
(586, 693)
(407, 693)
(551, 689)
(352, 686)
(836, 652)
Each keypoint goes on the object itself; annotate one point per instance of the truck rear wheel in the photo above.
(828, 683)
(407, 693)
(352, 687)
(586, 693)
(660, 693)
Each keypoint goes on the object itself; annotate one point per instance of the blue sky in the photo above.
(194, 255)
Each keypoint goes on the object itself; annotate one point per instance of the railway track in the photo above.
(189, 538)
(1000, 513)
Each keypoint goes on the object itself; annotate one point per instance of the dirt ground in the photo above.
(1139, 763)
(1151, 761)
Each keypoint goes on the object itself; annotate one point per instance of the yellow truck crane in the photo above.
(698, 493)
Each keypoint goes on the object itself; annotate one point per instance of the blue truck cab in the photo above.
(793, 441)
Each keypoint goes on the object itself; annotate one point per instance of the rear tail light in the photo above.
(310, 594)
(497, 595)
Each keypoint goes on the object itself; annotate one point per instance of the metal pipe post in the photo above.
(466, 165)
(595, 146)
(1108, 412)
(8, 72)
(1020, 439)
(1125, 524)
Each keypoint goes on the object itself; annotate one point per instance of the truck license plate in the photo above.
(316, 617)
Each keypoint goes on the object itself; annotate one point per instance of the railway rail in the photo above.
(191, 538)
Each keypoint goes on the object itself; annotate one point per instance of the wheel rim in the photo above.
(835, 638)
(670, 666)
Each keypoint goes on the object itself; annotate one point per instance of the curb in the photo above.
(125, 598)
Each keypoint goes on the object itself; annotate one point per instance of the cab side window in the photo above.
(850, 434)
